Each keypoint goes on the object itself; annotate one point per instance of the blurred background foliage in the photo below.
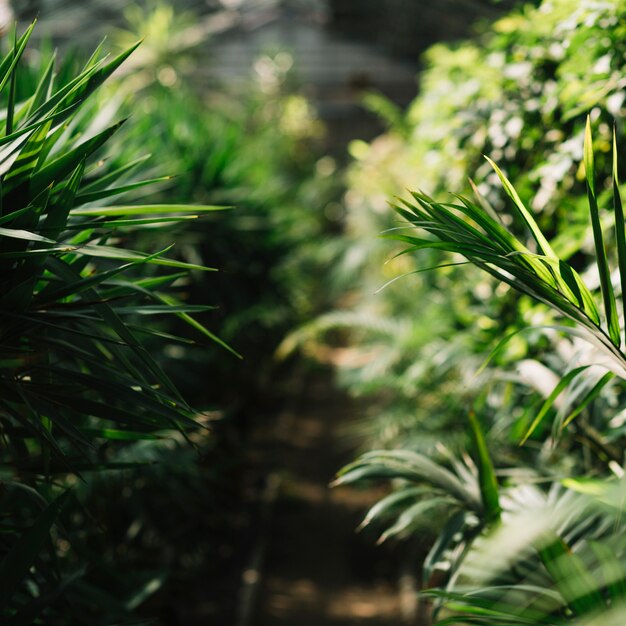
(255, 147)
(184, 503)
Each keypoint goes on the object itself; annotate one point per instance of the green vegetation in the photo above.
(79, 385)
(269, 248)
(108, 336)
(483, 332)
(497, 416)
(575, 539)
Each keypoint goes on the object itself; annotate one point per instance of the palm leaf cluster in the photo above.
(557, 558)
(516, 92)
(473, 230)
(512, 552)
(75, 311)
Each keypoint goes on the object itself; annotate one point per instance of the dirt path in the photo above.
(316, 569)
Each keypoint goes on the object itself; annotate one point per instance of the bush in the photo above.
(457, 341)
(78, 383)
(515, 552)
(540, 67)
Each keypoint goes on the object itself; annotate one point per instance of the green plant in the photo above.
(539, 560)
(76, 378)
(539, 67)
(475, 231)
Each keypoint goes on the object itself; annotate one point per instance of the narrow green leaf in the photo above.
(590, 397)
(44, 87)
(9, 217)
(389, 503)
(112, 434)
(481, 616)
(29, 155)
(620, 236)
(109, 252)
(610, 306)
(146, 209)
(94, 196)
(156, 309)
(549, 402)
(59, 168)
(133, 223)
(542, 242)
(102, 182)
(9, 63)
(14, 233)
(198, 326)
(412, 516)
(96, 56)
(59, 208)
(486, 473)
(580, 291)
(12, 85)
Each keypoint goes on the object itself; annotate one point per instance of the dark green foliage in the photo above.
(75, 374)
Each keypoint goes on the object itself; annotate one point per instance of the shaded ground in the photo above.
(314, 568)
(267, 542)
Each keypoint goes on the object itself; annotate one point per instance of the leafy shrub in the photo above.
(556, 555)
(146, 554)
(540, 67)
(457, 340)
(78, 382)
